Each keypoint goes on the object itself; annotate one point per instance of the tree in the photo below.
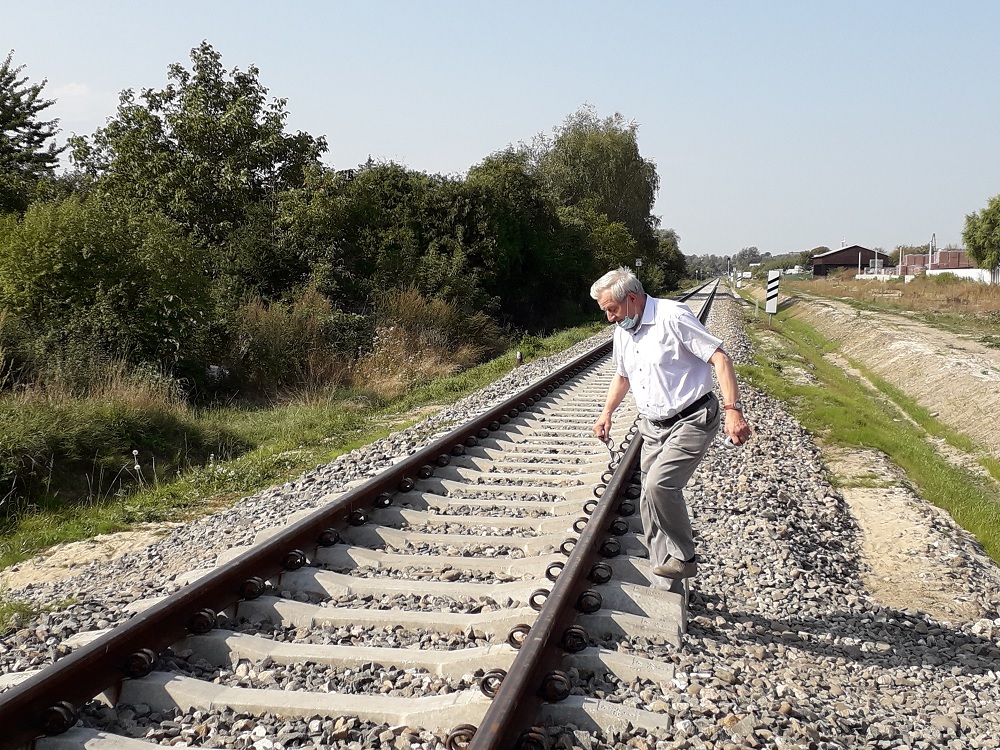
(205, 150)
(595, 163)
(26, 151)
(669, 258)
(92, 274)
(745, 257)
(806, 257)
(981, 234)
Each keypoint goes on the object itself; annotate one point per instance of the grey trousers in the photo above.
(669, 457)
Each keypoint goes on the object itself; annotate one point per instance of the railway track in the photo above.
(485, 588)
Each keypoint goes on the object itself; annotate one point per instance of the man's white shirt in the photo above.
(665, 358)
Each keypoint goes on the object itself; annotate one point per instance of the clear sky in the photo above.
(784, 125)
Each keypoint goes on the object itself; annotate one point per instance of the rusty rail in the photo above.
(534, 677)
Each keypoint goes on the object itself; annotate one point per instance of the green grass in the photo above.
(13, 612)
(842, 410)
(991, 465)
(259, 448)
(916, 412)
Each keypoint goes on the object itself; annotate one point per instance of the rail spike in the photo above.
(140, 663)
(534, 739)
(575, 639)
(202, 621)
(556, 686)
(252, 588)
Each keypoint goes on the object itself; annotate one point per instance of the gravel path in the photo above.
(785, 646)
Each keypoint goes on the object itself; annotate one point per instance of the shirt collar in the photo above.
(648, 312)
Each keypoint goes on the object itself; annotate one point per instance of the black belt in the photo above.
(687, 411)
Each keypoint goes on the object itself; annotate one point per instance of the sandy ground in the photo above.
(63, 560)
(908, 544)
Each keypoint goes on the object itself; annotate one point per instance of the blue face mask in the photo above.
(627, 323)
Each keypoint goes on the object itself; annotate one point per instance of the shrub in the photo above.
(302, 344)
(89, 275)
(417, 340)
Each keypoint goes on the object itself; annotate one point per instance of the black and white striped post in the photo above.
(771, 298)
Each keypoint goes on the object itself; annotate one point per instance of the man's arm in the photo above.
(736, 426)
(616, 392)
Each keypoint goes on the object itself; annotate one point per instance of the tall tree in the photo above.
(981, 234)
(591, 162)
(204, 150)
(669, 259)
(745, 257)
(27, 152)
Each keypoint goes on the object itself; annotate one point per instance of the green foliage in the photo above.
(193, 221)
(534, 266)
(981, 234)
(26, 151)
(595, 163)
(670, 259)
(13, 612)
(92, 274)
(591, 244)
(745, 257)
(225, 453)
(437, 321)
(57, 449)
(386, 227)
(205, 150)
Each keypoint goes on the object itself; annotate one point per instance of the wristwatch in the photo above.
(737, 405)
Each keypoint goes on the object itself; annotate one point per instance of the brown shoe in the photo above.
(676, 569)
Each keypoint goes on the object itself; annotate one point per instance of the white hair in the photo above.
(620, 282)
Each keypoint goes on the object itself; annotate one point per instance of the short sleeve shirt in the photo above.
(665, 358)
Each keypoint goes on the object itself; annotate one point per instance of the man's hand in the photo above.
(736, 427)
(602, 428)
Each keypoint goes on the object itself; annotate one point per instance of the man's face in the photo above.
(616, 311)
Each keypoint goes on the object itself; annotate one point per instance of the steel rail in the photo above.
(47, 703)
(533, 676)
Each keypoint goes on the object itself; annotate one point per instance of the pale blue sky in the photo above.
(784, 125)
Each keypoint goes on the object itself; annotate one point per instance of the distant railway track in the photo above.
(501, 559)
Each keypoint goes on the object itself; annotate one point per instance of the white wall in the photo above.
(975, 274)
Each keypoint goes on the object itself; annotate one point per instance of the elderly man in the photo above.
(665, 356)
